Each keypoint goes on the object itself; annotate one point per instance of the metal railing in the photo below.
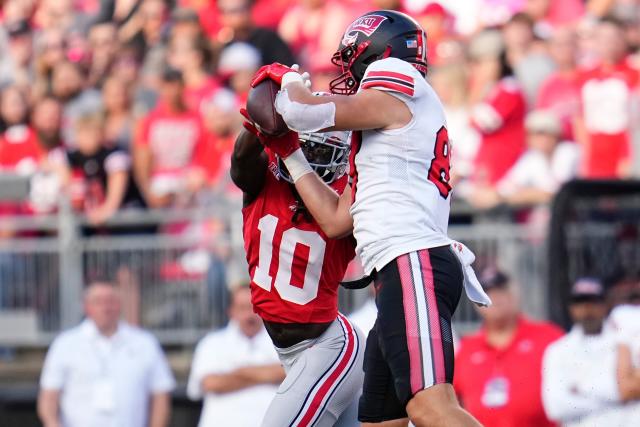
(174, 284)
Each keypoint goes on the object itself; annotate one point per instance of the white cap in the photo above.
(239, 57)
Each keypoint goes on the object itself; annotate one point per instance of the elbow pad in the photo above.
(304, 117)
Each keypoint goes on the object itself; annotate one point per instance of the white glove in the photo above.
(292, 76)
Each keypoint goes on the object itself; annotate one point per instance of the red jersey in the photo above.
(560, 94)
(500, 120)
(19, 150)
(175, 139)
(605, 94)
(502, 387)
(295, 268)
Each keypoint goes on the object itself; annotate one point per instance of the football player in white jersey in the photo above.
(397, 208)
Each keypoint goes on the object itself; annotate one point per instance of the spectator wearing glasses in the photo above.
(579, 370)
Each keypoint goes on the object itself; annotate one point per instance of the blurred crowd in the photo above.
(134, 103)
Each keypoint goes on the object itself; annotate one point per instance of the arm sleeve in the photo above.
(54, 370)
(161, 377)
(561, 402)
(393, 76)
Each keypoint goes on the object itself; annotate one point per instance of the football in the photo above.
(262, 110)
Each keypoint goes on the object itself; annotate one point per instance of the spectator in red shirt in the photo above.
(170, 139)
(499, 111)
(559, 93)
(499, 368)
(192, 57)
(222, 122)
(606, 95)
(19, 150)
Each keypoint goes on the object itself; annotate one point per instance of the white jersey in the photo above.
(400, 177)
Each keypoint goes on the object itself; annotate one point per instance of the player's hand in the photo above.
(273, 71)
(281, 74)
(283, 146)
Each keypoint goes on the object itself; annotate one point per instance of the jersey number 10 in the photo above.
(289, 241)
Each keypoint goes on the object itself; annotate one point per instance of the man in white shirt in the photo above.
(624, 325)
(105, 372)
(579, 370)
(236, 369)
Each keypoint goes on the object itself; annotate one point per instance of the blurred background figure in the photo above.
(313, 29)
(490, 380)
(238, 25)
(540, 171)
(624, 323)
(498, 111)
(607, 90)
(169, 140)
(105, 372)
(559, 92)
(579, 370)
(236, 369)
(238, 63)
(105, 172)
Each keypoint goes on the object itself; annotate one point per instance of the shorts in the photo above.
(324, 376)
(410, 347)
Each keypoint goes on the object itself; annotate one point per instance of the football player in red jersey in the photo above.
(295, 272)
(397, 208)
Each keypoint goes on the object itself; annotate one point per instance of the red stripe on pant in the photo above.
(333, 378)
(412, 327)
(434, 317)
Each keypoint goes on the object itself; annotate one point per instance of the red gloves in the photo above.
(283, 146)
(273, 71)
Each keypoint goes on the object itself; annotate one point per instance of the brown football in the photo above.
(262, 110)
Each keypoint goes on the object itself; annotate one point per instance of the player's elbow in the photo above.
(336, 230)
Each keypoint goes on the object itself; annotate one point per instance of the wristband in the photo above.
(297, 165)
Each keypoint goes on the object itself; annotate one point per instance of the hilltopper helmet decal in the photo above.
(367, 25)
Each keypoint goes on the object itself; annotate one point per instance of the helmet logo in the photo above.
(366, 25)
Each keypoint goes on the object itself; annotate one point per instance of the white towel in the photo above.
(472, 286)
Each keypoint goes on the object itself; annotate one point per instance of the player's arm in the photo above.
(248, 164)
(628, 377)
(242, 378)
(368, 109)
(330, 210)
